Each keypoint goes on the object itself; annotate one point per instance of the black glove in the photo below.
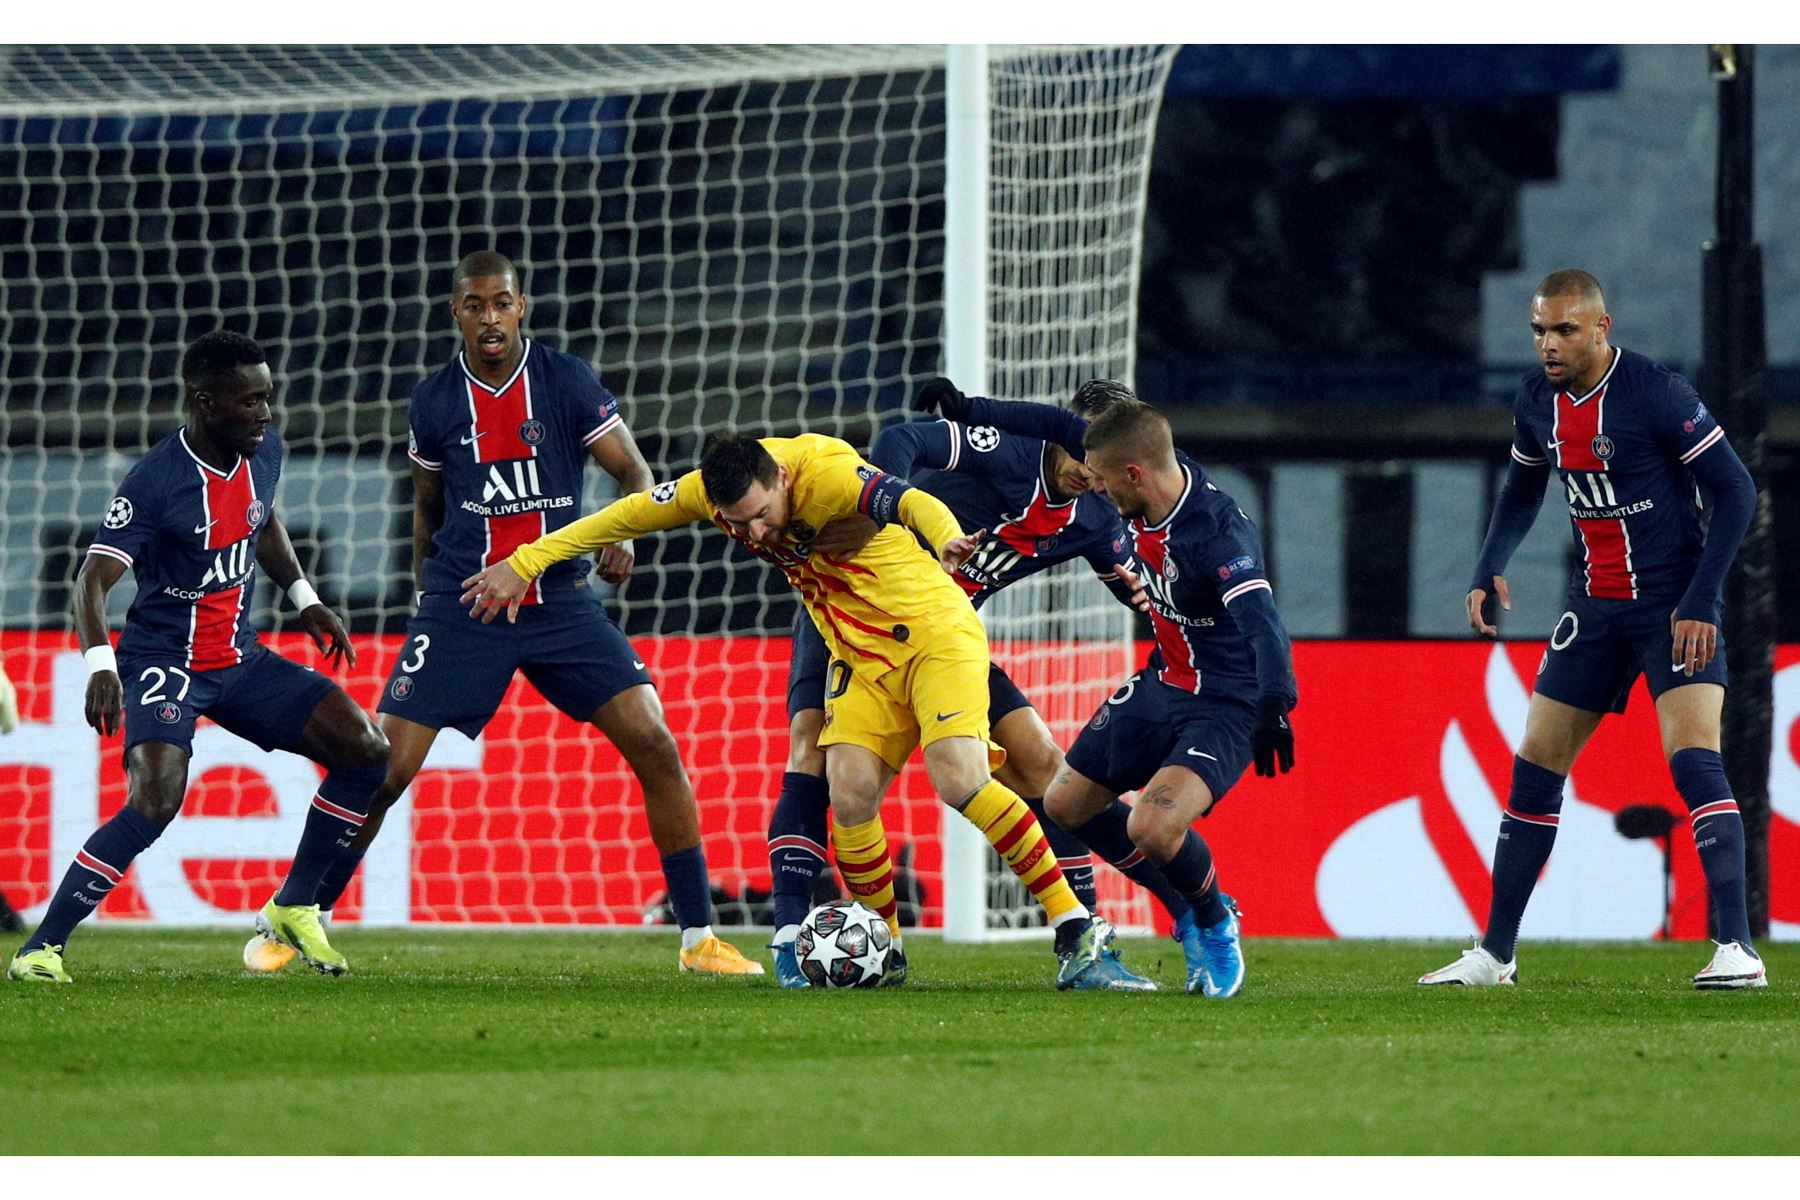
(942, 397)
(1272, 738)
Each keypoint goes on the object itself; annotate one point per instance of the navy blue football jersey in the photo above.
(1194, 562)
(188, 532)
(1622, 451)
(511, 459)
(996, 481)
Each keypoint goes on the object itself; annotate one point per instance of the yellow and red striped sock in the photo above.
(867, 868)
(1010, 828)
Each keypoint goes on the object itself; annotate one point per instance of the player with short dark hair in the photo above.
(1630, 440)
(914, 654)
(498, 440)
(1035, 501)
(192, 520)
(1215, 694)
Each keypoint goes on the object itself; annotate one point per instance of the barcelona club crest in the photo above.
(1603, 448)
(402, 688)
(531, 432)
(168, 712)
(255, 513)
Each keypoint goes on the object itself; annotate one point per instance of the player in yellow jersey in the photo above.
(910, 655)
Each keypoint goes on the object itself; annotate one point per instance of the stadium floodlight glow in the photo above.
(766, 238)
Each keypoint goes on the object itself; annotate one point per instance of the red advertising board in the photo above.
(1385, 827)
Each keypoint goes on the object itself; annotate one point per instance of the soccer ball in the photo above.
(843, 944)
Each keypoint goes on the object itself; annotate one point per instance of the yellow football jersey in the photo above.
(875, 611)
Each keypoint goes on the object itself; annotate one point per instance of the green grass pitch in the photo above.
(442, 1042)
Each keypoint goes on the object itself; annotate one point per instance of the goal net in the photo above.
(750, 238)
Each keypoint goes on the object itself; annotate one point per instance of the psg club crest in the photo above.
(1603, 448)
(1169, 570)
(1101, 717)
(531, 432)
(168, 712)
(255, 513)
(402, 688)
(118, 513)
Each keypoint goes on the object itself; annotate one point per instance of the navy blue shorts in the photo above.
(1600, 647)
(811, 663)
(265, 699)
(1147, 725)
(453, 671)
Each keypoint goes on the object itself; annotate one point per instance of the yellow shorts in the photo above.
(941, 692)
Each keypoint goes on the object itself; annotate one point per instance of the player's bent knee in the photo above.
(805, 755)
(1157, 832)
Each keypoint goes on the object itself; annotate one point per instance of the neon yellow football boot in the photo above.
(43, 965)
(297, 927)
(712, 956)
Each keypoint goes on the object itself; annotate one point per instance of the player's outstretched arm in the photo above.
(1046, 422)
(617, 452)
(105, 708)
(1515, 510)
(502, 586)
(275, 555)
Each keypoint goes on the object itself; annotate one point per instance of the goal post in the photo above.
(768, 238)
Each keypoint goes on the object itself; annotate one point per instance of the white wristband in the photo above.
(100, 658)
(302, 594)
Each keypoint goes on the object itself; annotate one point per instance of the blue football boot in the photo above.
(1193, 948)
(787, 966)
(1222, 974)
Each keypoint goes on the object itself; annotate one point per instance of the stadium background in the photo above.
(1338, 248)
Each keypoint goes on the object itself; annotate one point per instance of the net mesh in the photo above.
(738, 237)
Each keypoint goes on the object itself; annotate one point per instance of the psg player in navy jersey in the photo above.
(1215, 694)
(498, 439)
(1034, 504)
(1630, 441)
(193, 520)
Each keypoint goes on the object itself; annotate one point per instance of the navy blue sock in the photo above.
(797, 834)
(1718, 836)
(1108, 836)
(1527, 831)
(1071, 853)
(1191, 871)
(337, 812)
(336, 880)
(690, 892)
(99, 865)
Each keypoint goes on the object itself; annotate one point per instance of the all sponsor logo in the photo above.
(531, 432)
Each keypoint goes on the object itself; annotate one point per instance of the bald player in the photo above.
(1630, 441)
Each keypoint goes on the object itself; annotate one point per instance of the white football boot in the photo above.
(1476, 968)
(1732, 966)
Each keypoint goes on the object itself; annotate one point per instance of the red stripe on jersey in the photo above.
(1607, 548)
(227, 499)
(1040, 519)
(497, 419)
(1575, 428)
(212, 643)
(506, 534)
(1178, 656)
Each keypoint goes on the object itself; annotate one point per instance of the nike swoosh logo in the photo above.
(1553, 443)
(1201, 754)
(947, 716)
(637, 664)
(473, 438)
(205, 527)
